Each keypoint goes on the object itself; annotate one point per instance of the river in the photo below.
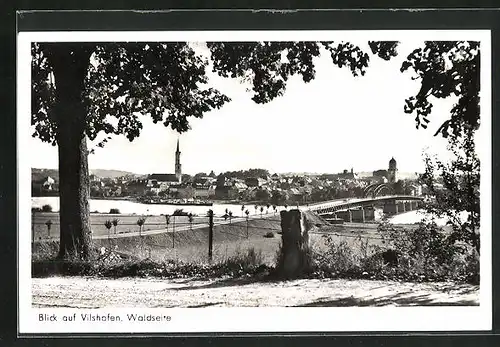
(130, 207)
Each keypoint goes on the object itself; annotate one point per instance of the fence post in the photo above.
(210, 233)
(295, 254)
(32, 229)
(173, 232)
(173, 237)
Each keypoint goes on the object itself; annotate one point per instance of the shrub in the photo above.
(36, 209)
(269, 234)
(180, 212)
(108, 224)
(243, 262)
(114, 211)
(140, 221)
(46, 208)
(339, 258)
(424, 253)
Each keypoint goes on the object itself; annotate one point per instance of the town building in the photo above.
(392, 173)
(159, 182)
(347, 175)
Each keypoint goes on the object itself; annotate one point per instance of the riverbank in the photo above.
(133, 207)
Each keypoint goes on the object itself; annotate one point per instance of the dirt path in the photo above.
(84, 292)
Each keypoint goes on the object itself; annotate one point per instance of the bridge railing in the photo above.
(360, 202)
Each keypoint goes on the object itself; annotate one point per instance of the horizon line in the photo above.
(208, 172)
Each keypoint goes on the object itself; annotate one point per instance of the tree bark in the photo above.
(70, 63)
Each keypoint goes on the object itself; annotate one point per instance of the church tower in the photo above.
(392, 173)
(178, 171)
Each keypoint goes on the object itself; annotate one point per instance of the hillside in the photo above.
(401, 174)
(102, 173)
(39, 174)
(361, 174)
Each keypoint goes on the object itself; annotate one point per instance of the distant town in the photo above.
(252, 185)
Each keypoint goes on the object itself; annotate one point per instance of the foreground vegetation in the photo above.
(423, 253)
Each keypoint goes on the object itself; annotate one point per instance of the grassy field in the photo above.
(228, 239)
(192, 245)
(126, 223)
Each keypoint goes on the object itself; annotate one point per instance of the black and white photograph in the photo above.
(236, 181)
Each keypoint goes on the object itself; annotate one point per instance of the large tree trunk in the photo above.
(70, 63)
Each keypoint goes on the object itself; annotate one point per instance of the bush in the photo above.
(269, 234)
(114, 211)
(426, 253)
(180, 212)
(108, 224)
(338, 259)
(243, 262)
(46, 208)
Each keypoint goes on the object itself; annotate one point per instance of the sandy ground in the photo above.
(85, 292)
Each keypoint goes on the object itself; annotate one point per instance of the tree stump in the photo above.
(295, 258)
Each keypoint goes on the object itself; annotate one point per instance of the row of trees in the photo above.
(243, 174)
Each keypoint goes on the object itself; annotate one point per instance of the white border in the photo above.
(258, 319)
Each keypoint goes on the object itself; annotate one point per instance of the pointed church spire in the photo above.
(178, 170)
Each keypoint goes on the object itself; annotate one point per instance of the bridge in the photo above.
(363, 208)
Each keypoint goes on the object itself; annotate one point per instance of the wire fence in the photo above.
(179, 237)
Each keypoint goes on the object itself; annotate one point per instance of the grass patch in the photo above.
(242, 264)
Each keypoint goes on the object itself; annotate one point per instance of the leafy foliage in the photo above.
(242, 174)
(126, 80)
(141, 221)
(268, 66)
(264, 64)
(429, 252)
(347, 54)
(422, 254)
(108, 224)
(446, 69)
(384, 49)
(451, 69)
(47, 208)
(454, 187)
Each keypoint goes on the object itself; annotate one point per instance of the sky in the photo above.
(333, 123)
